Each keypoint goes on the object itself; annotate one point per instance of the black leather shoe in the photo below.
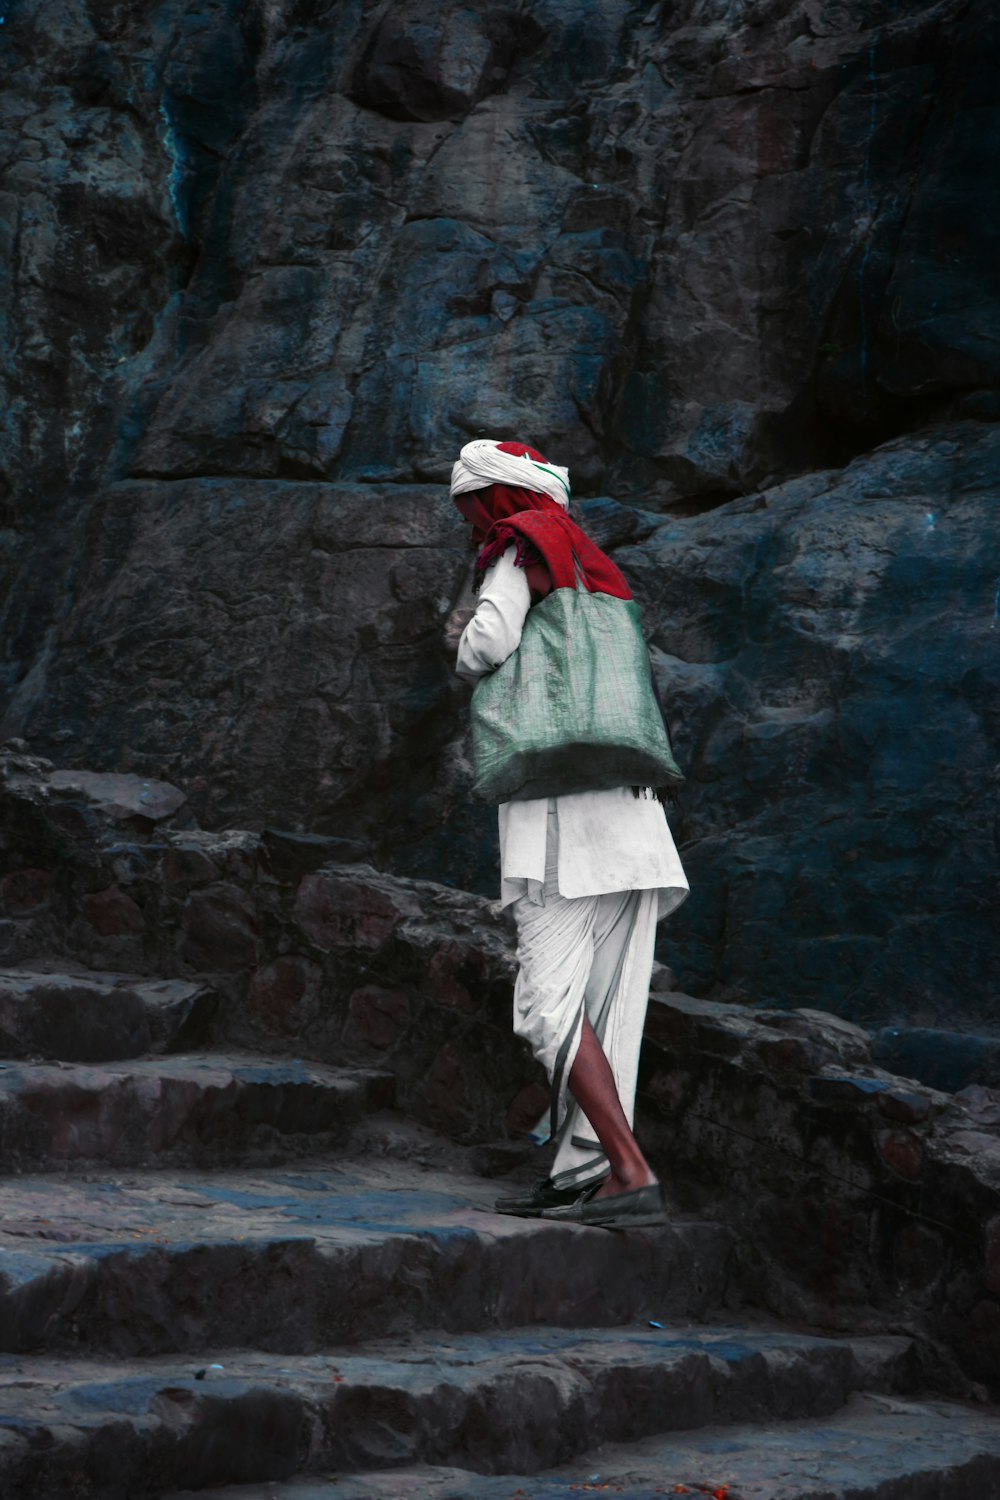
(634, 1210)
(543, 1196)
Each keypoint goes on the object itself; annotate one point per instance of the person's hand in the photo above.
(455, 624)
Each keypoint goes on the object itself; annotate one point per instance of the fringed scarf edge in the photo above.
(526, 554)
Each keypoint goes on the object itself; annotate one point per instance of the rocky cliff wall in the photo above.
(269, 264)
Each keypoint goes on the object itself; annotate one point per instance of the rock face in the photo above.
(848, 1188)
(303, 672)
(673, 244)
(827, 649)
(830, 647)
(267, 266)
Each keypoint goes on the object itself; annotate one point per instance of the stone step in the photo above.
(192, 1108)
(90, 1017)
(876, 1447)
(518, 1401)
(311, 1258)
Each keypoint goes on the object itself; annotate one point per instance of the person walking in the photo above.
(587, 873)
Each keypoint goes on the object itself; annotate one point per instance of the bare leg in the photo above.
(593, 1087)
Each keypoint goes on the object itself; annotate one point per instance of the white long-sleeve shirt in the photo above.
(608, 841)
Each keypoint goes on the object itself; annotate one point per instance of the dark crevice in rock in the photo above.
(839, 443)
(700, 504)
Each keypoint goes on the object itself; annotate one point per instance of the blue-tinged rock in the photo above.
(947, 1060)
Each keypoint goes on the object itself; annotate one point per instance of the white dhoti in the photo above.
(582, 955)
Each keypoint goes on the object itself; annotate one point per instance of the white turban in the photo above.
(481, 463)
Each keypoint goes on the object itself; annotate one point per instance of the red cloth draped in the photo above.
(497, 502)
(504, 515)
(569, 555)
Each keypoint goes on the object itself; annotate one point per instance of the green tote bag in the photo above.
(573, 708)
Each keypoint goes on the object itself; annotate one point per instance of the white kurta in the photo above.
(608, 841)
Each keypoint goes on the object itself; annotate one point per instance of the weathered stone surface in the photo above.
(708, 244)
(95, 1018)
(412, 70)
(903, 1104)
(902, 1152)
(25, 892)
(313, 1258)
(950, 1060)
(876, 1448)
(328, 574)
(381, 1015)
(285, 994)
(548, 1397)
(527, 1107)
(188, 1108)
(848, 1190)
(497, 1158)
(16, 941)
(219, 930)
(778, 1117)
(338, 911)
(287, 856)
(981, 1103)
(407, 974)
(122, 798)
(825, 650)
(829, 659)
(60, 812)
(113, 912)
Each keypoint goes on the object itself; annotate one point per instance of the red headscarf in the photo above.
(497, 502)
(551, 548)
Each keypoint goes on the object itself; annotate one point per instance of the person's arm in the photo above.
(494, 631)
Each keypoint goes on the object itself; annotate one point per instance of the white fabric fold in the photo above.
(496, 627)
(582, 956)
(481, 463)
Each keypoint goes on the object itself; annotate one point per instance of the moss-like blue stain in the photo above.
(176, 182)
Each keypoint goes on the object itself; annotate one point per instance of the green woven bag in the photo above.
(573, 708)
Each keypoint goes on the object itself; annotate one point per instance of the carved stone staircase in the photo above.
(226, 1268)
(219, 1269)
